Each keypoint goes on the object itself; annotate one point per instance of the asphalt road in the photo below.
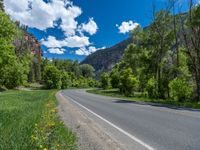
(151, 127)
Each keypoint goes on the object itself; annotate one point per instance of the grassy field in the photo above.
(138, 97)
(29, 120)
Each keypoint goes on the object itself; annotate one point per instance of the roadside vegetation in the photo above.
(162, 63)
(138, 97)
(29, 120)
(63, 74)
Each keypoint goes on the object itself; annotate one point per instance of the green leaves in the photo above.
(13, 72)
(105, 81)
(87, 70)
(196, 16)
(151, 88)
(7, 28)
(128, 82)
(180, 89)
(52, 77)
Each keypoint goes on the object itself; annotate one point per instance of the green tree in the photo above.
(52, 77)
(1, 5)
(115, 78)
(151, 88)
(131, 57)
(105, 81)
(191, 42)
(162, 38)
(13, 70)
(87, 71)
(66, 80)
(75, 68)
(128, 82)
(180, 89)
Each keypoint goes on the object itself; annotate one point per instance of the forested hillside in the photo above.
(105, 59)
(18, 50)
(163, 62)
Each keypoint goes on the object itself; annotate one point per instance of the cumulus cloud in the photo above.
(71, 42)
(56, 51)
(87, 51)
(126, 27)
(90, 27)
(41, 15)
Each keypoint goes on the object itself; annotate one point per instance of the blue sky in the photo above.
(86, 26)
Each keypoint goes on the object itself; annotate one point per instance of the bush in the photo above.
(81, 82)
(180, 89)
(87, 71)
(52, 77)
(128, 82)
(66, 80)
(105, 81)
(114, 79)
(151, 88)
(93, 83)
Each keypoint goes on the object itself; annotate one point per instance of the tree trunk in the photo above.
(197, 79)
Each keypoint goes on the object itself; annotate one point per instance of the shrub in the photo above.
(128, 82)
(93, 83)
(180, 89)
(66, 80)
(52, 77)
(151, 88)
(82, 82)
(115, 79)
(105, 81)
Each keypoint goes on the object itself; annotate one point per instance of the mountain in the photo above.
(105, 59)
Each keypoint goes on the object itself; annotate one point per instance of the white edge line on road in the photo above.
(115, 126)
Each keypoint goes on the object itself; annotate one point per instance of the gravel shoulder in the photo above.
(90, 135)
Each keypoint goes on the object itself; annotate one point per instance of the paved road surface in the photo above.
(144, 125)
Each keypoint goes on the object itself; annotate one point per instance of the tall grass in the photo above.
(21, 112)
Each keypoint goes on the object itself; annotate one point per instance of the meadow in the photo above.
(29, 120)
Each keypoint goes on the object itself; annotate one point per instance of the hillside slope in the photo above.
(105, 59)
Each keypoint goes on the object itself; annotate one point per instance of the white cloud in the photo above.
(16, 6)
(91, 27)
(126, 27)
(56, 51)
(72, 42)
(41, 15)
(77, 41)
(52, 42)
(87, 51)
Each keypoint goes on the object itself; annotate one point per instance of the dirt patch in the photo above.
(90, 135)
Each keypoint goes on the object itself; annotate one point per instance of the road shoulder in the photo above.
(90, 135)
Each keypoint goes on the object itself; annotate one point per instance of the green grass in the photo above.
(29, 120)
(138, 97)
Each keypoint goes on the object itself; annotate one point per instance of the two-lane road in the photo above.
(152, 127)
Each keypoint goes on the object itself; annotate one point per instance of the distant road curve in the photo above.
(140, 126)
